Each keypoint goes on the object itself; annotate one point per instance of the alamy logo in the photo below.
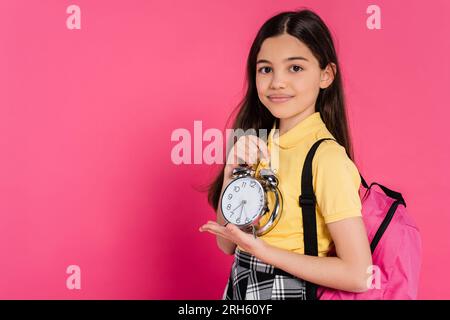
(74, 280)
(374, 279)
(374, 20)
(212, 153)
(74, 20)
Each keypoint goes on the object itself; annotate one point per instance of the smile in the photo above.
(280, 99)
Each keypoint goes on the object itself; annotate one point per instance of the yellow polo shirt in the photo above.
(336, 182)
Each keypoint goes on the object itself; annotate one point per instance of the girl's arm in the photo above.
(348, 271)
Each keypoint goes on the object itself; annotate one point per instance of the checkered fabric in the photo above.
(252, 279)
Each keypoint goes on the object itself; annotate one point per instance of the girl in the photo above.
(294, 85)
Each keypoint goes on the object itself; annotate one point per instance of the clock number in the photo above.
(236, 189)
(243, 184)
(230, 196)
(229, 206)
(253, 184)
(238, 220)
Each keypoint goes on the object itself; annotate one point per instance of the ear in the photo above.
(327, 75)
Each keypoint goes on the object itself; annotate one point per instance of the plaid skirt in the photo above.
(252, 279)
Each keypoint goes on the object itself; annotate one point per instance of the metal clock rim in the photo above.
(226, 188)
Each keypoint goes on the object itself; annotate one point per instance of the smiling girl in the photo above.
(295, 86)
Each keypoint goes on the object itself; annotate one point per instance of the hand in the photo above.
(248, 149)
(231, 232)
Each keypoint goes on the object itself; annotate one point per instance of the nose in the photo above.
(277, 82)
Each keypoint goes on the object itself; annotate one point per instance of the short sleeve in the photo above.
(336, 183)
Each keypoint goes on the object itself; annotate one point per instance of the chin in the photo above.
(281, 112)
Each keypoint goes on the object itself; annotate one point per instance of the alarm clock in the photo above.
(244, 201)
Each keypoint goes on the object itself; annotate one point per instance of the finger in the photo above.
(233, 157)
(245, 143)
(249, 152)
(206, 225)
(262, 147)
(213, 222)
(223, 230)
(259, 147)
(240, 155)
(214, 230)
(252, 157)
(211, 225)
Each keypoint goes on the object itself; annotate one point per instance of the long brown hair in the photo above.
(309, 28)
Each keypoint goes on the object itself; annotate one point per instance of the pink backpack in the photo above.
(394, 240)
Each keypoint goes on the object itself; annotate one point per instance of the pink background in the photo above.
(86, 117)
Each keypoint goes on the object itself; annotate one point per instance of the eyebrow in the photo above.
(287, 59)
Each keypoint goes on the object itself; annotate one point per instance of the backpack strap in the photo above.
(398, 200)
(390, 193)
(307, 202)
(363, 182)
(384, 224)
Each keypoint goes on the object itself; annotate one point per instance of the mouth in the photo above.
(279, 98)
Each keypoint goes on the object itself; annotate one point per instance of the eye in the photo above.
(297, 68)
(260, 70)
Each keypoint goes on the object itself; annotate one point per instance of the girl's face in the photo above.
(285, 67)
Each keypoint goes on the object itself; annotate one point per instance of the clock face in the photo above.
(242, 200)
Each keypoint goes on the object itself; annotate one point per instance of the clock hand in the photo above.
(245, 214)
(253, 226)
(242, 202)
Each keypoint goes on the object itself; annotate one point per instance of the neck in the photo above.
(287, 124)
